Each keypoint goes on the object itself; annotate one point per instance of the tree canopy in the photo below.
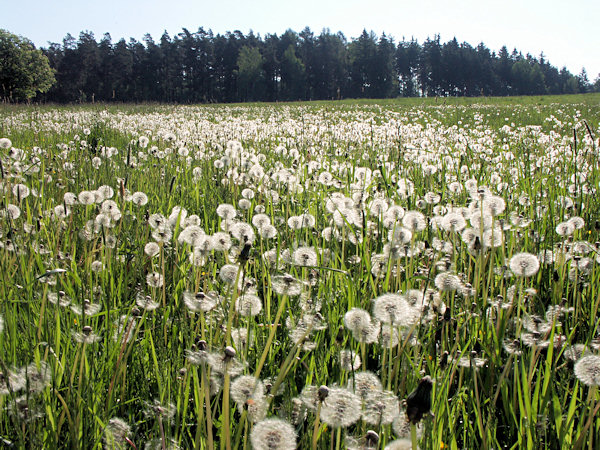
(24, 70)
(195, 67)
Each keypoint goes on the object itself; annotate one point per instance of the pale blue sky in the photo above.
(566, 31)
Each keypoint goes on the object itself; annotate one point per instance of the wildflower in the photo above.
(21, 191)
(139, 198)
(242, 232)
(159, 410)
(267, 231)
(88, 308)
(225, 362)
(392, 309)
(161, 444)
(378, 207)
(192, 235)
(577, 222)
(5, 143)
(399, 444)
(286, 285)
(380, 408)
(418, 402)
(103, 221)
(226, 211)
(245, 389)
(401, 426)
(357, 320)
(535, 323)
(587, 370)
(154, 280)
(524, 265)
(123, 327)
(349, 361)
(229, 272)
(177, 216)
(25, 409)
(295, 222)
(298, 413)
(60, 299)
(414, 221)
(454, 222)
(565, 229)
(146, 302)
(576, 352)
(115, 434)
(199, 301)
(363, 383)
(400, 235)
(390, 336)
(220, 241)
(12, 381)
(310, 396)
(512, 346)
(86, 198)
(86, 336)
(36, 378)
(248, 305)
(260, 220)
(157, 221)
(447, 281)
(481, 219)
(106, 192)
(273, 434)
(152, 249)
(305, 256)
(69, 198)
(241, 337)
(341, 408)
(493, 237)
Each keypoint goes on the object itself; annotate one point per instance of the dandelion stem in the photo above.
(274, 326)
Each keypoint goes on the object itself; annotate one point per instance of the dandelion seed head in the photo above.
(380, 408)
(286, 285)
(587, 370)
(243, 232)
(226, 211)
(349, 361)
(273, 434)
(565, 229)
(152, 249)
(220, 241)
(248, 305)
(524, 265)
(447, 282)
(245, 388)
(154, 280)
(341, 408)
(415, 221)
(5, 143)
(199, 301)
(146, 302)
(229, 272)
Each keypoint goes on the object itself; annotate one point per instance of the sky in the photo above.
(565, 31)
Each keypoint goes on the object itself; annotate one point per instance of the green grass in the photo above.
(531, 152)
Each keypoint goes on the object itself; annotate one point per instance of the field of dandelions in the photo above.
(284, 276)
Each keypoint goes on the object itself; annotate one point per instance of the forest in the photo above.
(202, 67)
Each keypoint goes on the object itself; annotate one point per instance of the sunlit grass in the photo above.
(170, 329)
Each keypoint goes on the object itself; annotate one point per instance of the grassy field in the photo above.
(301, 275)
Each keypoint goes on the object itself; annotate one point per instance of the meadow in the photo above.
(355, 275)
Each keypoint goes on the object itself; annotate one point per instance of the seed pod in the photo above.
(418, 402)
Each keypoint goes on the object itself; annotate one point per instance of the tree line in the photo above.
(196, 67)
